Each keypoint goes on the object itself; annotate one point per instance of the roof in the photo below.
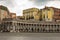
(52, 7)
(3, 7)
(13, 13)
(30, 9)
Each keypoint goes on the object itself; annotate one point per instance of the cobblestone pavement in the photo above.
(29, 36)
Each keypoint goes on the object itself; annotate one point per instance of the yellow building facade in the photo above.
(32, 13)
(47, 14)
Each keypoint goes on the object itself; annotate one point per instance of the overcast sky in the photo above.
(17, 6)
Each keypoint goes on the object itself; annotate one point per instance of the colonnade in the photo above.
(29, 27)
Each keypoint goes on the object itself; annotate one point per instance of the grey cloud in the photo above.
(41, 2)
(7, 3)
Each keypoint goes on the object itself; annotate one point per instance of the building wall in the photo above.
(47, 14)
(31, 13)
(12, 15)
(50, 14)
(56, 14)
(0, 15)
(3, 14)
